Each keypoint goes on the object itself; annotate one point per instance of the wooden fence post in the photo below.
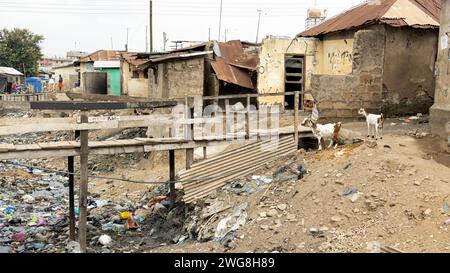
(84, 151)
(172, 194)
(296, 106)
(247, 131)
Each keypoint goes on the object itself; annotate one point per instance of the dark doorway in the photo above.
(294, 79)
(96, 83)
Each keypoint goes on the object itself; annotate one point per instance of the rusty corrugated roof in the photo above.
(420, 13)
(233, 64)
(102, 55)
(132, 58)
(231, 74)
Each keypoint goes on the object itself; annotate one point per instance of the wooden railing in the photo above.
(26, 97)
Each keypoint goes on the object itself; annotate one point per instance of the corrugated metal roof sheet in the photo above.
(172, 57)
(132, 58)
(415, 13)
(102, 55)
(231, 74)
(9, 71)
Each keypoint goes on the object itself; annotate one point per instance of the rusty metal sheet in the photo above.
(246, 61)
(232, 52)
(102, 55)
(231, 74)
(371, 13)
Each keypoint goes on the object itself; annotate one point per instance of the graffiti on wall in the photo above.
(339, 60)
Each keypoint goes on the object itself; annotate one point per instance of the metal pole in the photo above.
(70, 169)
(84, 150)
(220, 20)
(259, 21)
(126, 47)
(151, 26)
(146, 38)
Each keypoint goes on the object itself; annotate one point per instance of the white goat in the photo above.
(327, 132)
(374, 122)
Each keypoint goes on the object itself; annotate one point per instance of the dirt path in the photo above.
(355, 199)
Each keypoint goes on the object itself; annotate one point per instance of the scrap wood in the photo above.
(156, 200)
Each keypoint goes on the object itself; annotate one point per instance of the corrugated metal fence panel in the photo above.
(207, 176)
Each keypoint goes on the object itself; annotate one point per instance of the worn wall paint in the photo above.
(126, 75)
(85, 67)
(440, 112)
(134, 87)
(271, 72)
(69, 74)
(337, 53)
(340, 96)
(138, 88)
(178, 79)
(114, 80)
(408, 76)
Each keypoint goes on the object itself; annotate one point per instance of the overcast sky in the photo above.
(89, 25)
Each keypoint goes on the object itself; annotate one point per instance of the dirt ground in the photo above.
(355, 199)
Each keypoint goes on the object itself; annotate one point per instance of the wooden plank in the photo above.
(189, 158)
(4, 147)
(294, 74)
(172, 193)
(82, 220)
(98, 144)
(33, 147)
(296, 121)
(44, 126)
(294, 82)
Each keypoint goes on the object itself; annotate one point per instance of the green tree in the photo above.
(20, 49)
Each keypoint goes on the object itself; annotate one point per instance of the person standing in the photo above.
(51, 84)
(60, 83)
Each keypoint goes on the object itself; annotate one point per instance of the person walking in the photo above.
(60, 83)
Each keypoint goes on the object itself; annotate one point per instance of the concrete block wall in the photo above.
(341, 96)
(185, 78)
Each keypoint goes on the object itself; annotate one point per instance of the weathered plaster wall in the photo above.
(139, 88)
(178, 79)
(337, 56)
(69, 74)
(85, 67)
(125, 76)
(341, 96)
(408, 77)
(134, 87)
(272, 71)
(440, 112)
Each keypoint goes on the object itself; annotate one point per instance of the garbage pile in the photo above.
(33, 210)
(34, 214)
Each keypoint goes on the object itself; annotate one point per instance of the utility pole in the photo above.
(146, 38)
(112, 46)
(151, 26)
(126, 45)
(165, 40)
(220, 19)
(226, 31)
(259, 21)
(209, 34)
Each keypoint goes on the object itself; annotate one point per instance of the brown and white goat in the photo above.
(327, 132)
